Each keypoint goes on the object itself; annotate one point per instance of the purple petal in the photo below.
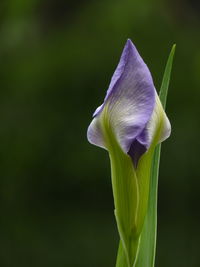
(116, 76)
(130, 100)
(136, 151)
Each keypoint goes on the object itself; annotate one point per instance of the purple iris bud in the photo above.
(131, 108)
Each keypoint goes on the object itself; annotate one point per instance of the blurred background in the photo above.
(57, 58)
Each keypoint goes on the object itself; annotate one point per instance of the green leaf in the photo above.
(166, 78)
(147, 247)
(147, 250)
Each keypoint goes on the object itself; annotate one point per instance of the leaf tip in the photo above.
(173, 49)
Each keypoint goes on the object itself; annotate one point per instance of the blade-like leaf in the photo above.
(147, 249)
(166, 78)
(146, 257)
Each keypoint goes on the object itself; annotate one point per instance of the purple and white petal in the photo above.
(156, 131)
(94, 133)
(130, 100)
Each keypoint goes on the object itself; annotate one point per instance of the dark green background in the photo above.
(56, 60)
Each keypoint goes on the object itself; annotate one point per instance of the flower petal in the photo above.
(129, 101)
(94, 133)
(139, 146)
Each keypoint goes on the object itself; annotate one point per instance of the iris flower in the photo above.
(129, 124)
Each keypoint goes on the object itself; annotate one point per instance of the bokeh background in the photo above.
(56, 60)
